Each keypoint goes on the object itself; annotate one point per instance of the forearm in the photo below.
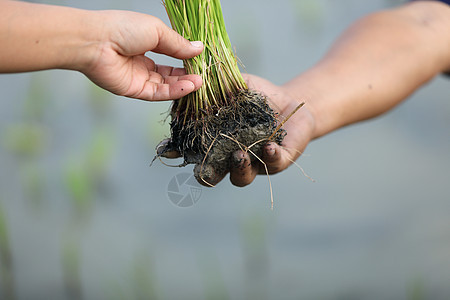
(37, 37)
(377, 63)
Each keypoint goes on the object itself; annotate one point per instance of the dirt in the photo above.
(248, 121)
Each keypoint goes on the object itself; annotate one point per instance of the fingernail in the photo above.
(197, 44)
(270, 150)
(237, 159)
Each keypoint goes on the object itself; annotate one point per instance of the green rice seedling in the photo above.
(203, 21)
(223, 116)
(7, 284)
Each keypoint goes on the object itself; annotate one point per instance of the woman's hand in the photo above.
(107, 46)
(120, 64)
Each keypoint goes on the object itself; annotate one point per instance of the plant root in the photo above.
(210, 141)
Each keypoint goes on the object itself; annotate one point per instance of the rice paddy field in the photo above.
(83, 216)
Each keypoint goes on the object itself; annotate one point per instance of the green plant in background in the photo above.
(26, 140)
(139, 281)
(416, 289)
(143, 279)
(256, 256)
(35, 185)
(71, 268)
(98, 154)
(85, 173)
(6, 265)
(214, 283)
(310, 15)
(100, 103)
(79, 187)
(39, 98)
(28, 143)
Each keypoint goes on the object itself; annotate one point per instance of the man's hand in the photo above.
(300, 130)
(299, 127)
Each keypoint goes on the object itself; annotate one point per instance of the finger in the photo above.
(169, 71)
(275, 157)
(170, 75)
(195, 79)
(163, 150)
(161, 91)
(178, 72)
(173, 87)
(206, 175)
(162, 74)
(173, 44)
(242, 171)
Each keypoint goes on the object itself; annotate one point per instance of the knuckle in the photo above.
(206, 175)
(277, 167)
(242, 180)
(239, 160)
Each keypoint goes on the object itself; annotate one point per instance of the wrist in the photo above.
(302, 89)
(328, 94)
(43, 36)
(85, 42)
(303, 121)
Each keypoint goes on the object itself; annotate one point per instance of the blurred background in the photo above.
(83, 216)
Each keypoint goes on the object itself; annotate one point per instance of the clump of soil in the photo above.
(246, 121)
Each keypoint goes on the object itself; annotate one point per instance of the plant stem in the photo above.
(202, 20)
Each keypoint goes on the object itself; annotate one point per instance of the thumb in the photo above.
(172, 44)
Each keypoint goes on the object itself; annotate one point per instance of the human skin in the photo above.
(376, 64)
(107, 46)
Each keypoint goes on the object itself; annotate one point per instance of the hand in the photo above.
(299, 127)
(120, 65)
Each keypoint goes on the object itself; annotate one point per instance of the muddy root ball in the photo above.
(248, 121)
